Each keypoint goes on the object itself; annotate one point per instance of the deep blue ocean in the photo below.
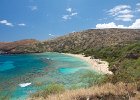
(44, 68)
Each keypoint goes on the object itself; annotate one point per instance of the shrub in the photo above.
(50, 89)
(54, 88)
(91, 78)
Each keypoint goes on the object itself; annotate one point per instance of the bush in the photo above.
(91, 78)
(50, 89)
(54, 88)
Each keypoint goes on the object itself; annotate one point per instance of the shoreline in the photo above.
(96, 64)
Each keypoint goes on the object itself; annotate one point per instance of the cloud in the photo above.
(21, 24)
(70, 14)
(138, 4)
(65, 17)
(135, 25)
(50, 34)
(127, 17)
(107, 25)
(121, 12)
(114, 11)
(33, 8)
(69, 9)
(5, 22)
(138, 7)
(73, 14)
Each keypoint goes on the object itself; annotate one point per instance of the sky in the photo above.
(45, 19)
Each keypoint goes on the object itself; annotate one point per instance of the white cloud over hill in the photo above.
(135, 25)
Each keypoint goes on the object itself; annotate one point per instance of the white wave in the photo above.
(24, 84)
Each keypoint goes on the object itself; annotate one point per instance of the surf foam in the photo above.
(24, 84)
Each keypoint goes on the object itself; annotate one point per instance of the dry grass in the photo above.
(108, 91)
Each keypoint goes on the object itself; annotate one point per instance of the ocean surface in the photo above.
(21, 74)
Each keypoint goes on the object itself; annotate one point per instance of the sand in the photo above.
(96, 64)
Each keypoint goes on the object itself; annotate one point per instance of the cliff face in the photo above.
(91, 38)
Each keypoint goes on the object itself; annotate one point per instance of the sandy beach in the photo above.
(96, 64)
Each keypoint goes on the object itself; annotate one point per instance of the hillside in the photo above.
(22, 46)
(124, 60)
(92, 38)
(76, 41)
(124, 63)
(119, 47)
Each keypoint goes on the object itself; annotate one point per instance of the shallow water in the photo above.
(41, 68)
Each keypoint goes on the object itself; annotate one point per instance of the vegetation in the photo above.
(108, 44)
(108, 91)
(91, 78)
(50, 89)
(73, 42)
(5, 96)
(124, 61)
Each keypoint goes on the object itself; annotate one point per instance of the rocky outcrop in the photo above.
(92, 38)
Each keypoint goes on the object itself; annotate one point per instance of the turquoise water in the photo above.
(44, 68)
(7, 65)
(69, 70)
